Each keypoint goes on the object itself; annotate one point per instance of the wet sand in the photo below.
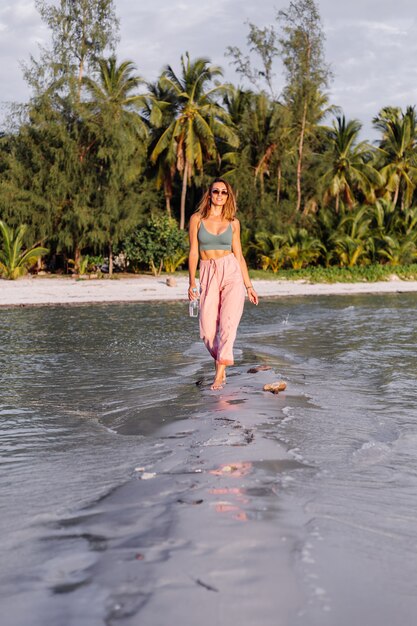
(203, 535)
(54, 291)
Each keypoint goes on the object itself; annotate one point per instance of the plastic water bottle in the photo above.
(193, 306)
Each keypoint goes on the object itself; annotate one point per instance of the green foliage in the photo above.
(351, 240)
(117, 133)
(397, 152)
(91, 155)
(347, 165)
(307, 76)
(368, 273)
(159, 242)
(296, 248)
(196, 124)
(262, 43)
(86, 264)
(80, 32)
(175, 260)
(270, 250)
(14, 260)
(301, 249)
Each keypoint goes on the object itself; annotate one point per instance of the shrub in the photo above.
(159, 242)
(14, 260)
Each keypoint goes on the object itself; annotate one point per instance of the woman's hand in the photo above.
(252, 295)
(192, 292)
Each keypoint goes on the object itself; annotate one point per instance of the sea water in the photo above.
(107, 425)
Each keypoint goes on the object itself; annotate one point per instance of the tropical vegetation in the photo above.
(14, 259)
(99, 162)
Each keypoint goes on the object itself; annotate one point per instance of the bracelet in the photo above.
(249, 287)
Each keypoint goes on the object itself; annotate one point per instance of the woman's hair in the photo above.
(229, 209)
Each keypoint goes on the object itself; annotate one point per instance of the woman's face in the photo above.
(218, 194)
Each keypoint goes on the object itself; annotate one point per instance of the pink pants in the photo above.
(221, 305)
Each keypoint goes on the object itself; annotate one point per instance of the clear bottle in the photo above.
(193, 306)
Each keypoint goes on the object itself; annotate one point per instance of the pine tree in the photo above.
(57, 138)
(119, 149)
(306, 71)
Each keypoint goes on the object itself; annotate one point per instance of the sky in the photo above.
(371, 45)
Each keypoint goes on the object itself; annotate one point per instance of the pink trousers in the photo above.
(221, 305)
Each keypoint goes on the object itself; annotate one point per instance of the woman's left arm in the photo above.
(237, 251)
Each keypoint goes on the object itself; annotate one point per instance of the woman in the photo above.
(215, 239)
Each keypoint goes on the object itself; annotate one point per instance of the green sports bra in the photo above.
(208, 241)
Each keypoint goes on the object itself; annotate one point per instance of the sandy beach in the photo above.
(37, 291)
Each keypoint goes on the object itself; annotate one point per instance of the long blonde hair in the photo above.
(229, 209)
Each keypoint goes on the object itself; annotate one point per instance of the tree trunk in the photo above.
(396, 194)
(279, 179)
(183, 196)
(80, 77)
(303, 125)
(110, 259)
(168, 195)
(77, 259)
(300, 155)
(168, 204)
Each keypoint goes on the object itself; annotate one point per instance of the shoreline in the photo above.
(36, 291)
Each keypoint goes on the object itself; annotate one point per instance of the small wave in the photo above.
(370, 453)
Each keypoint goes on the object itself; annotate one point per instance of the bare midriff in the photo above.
(207, 255)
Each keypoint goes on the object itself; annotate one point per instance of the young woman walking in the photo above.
(215, 240)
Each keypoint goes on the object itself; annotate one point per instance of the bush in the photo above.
(159, 242)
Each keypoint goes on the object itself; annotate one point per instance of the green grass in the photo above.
(369, 273)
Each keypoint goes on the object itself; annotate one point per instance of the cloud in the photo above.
(158, 34)
(21, 32)
(372, 45)
(373, 64)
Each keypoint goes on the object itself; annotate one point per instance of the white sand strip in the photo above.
(50, 291)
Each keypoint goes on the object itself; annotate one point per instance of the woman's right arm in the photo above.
(193, 256)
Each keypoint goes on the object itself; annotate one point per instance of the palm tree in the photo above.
(348, 165)
(236, 102)
(270, 250)
(117, 130)
(353, 239)
(301, 248)
(14, 261)
(111, 96)
(399, 250)
(265, 129)
(198, 123)
(398, 152)
(160, 111)
(394, 232)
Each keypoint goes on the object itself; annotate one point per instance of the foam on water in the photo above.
(371, 452)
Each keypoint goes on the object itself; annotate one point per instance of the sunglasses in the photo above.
(222, 192)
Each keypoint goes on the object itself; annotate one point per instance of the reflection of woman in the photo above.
(215, 239)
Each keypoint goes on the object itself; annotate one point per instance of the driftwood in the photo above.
(276, 387)
(259, 368)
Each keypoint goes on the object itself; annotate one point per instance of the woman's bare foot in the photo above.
(220, 378)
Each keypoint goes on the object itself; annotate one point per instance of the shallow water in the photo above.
(297, 509)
